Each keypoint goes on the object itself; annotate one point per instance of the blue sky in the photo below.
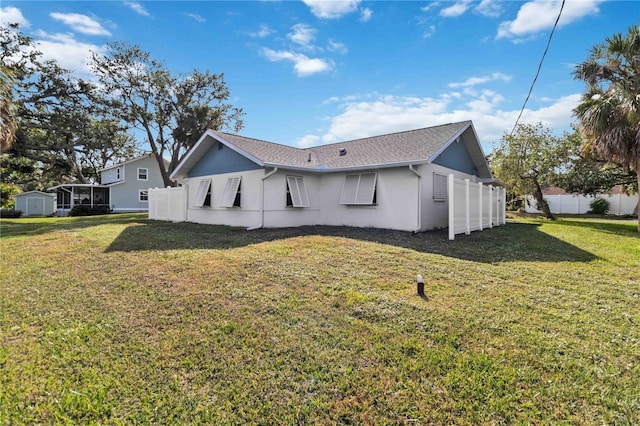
(314, 72)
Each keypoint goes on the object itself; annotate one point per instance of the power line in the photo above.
(539, 68)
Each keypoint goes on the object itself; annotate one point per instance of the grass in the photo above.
(121, 320)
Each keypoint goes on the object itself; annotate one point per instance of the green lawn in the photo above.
(120, 320)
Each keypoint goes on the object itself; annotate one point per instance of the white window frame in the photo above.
(141, 193)
(359, 189)
(297, 191)
(146, 173)
(440, 183)
(201, 194)
(231, 189)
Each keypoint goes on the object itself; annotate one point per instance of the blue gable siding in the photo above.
(456, 157)
(221, 160)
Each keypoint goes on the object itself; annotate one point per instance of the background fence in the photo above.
(168, 204)
(474, 206)
(619, 204)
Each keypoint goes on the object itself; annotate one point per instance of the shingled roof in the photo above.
(391, 150)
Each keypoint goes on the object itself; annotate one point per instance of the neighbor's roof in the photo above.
(391, 150)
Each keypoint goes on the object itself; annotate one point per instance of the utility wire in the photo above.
(539, 68)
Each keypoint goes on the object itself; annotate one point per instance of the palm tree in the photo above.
(7, 120)
(609, 112)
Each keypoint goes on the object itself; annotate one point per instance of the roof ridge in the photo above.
(260, 140)
(391, 134)
(311, 148)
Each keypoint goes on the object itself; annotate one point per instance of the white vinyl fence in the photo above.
(168, 204)
(474, 206)
(619, 204)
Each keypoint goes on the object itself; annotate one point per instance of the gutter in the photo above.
(419, 219)
(272, 172)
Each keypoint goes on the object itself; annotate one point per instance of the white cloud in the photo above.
(263, 31)
(473, 81)
(366, 14)
(13, 15)
(332, 9)
(429, 31)
(540, 15)
(81, 23)
(376, 114)
(195, 17)
(303, 35)
(335, 46)
(137, 7)
(431, 5)
(303, 65)
(307, 140)
(68, 52)
(489, 8)
(457, 9)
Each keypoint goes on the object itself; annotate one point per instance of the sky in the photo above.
(312, 72)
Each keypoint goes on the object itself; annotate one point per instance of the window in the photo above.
(439, 187)
(204, 194)
(143, 195)
(143, 174)
(231, 196)
(296, 192)
(359, 189)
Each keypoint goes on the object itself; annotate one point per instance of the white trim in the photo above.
(140, 191)
(146, 174)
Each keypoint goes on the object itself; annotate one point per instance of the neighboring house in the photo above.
(562, 202)
(36, 203)
(395, 181)
(124, 187)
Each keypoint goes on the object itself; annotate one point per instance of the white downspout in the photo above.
(419, 219)
(275, 169)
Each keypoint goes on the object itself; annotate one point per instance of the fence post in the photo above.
(450, 192)
(491, 206)
(480, 188)
(467, 206)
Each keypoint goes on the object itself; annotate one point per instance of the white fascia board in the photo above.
(190, 153)
(477, 143)
(77, 185)
(450, 141)
(229, 145)
(217, 137)
(349, 168)
(36, 192)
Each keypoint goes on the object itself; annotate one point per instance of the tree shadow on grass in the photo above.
(32, 226)
(624, 228)
(513, 242)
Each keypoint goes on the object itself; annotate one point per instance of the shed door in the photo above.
(35, 206)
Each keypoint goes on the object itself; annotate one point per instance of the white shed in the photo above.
(36, 203)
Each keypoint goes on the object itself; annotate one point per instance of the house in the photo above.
(394, 181)
(35, 203)
(124, 187)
